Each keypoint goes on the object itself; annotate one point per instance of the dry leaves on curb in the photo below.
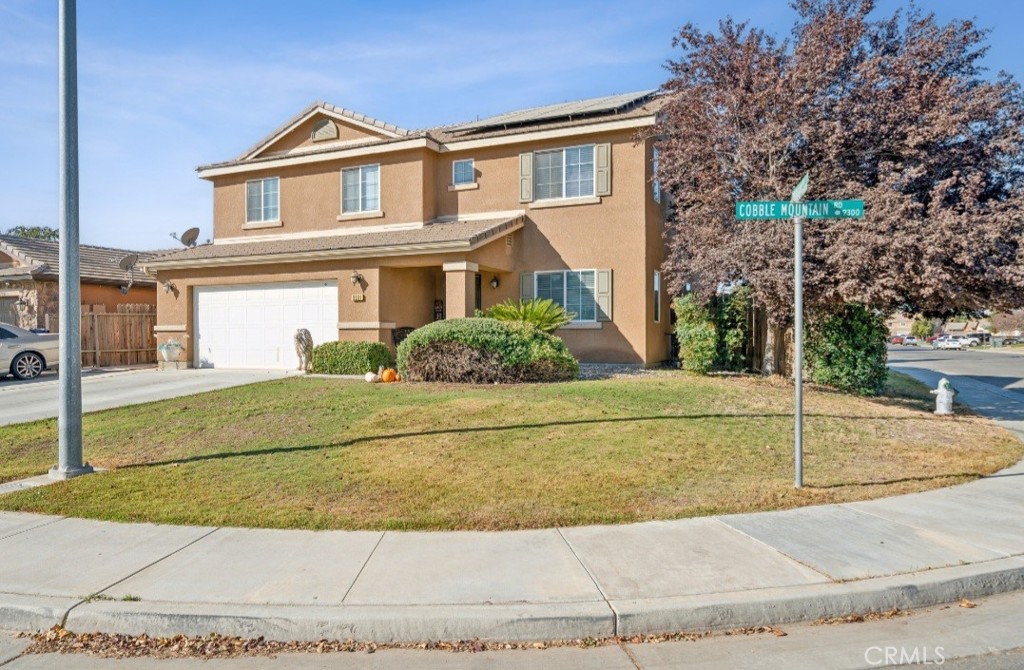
(109, 645)
(964, 602)
(861, 618)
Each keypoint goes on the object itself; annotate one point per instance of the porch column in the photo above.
(459, 289)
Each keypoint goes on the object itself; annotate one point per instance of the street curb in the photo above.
(781, 605)
(29, 613)
(398, 623)
(522, 621)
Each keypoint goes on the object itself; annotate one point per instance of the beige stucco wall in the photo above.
(612, 234)
(658, 333)
(310, 196)
(622, 233)
(175, 309)
(409, 295)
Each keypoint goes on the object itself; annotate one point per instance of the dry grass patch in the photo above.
(322, 453)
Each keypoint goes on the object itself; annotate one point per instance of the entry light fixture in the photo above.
(356, 278)
(494, 282)
(169, 287)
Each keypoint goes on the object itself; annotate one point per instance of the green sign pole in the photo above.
(799, 211)
(798, 335)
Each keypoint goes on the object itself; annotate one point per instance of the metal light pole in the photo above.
(69, 419)
(798, 334)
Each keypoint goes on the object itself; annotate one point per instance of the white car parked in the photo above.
(950, 342)
(24, 354)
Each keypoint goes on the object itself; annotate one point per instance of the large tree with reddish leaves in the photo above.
(896, 111)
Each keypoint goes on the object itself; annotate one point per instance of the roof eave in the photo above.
(415, 249)
(269, 163)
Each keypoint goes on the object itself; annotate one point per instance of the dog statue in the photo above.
(304, 348)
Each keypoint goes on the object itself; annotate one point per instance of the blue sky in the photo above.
(166, 86)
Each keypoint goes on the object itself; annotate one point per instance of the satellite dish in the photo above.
(188, 238)
(128, 262)
(128, 265)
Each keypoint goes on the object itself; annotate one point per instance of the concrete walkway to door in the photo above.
(39, 398)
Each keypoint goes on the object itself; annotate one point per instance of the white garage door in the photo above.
(254, 326)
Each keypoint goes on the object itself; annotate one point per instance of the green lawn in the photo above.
(325, 453)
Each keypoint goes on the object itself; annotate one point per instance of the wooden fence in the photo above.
(114, 339)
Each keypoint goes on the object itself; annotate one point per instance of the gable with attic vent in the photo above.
(320, 128)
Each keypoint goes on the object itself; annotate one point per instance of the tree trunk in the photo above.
(768, 361)
(776, 351)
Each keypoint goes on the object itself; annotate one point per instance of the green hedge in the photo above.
(482, 350)
(846, 349)
(350, 358)
(697, 336)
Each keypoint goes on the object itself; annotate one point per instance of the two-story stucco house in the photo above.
(355, 229)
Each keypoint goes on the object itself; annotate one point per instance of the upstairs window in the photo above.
(360, 189)
(463, 172)
(262, 200)
(564, 173)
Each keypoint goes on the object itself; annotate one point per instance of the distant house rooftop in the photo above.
(40, 259)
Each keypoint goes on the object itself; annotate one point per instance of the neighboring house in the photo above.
(355, 228)
(900, 324)
(29, 270)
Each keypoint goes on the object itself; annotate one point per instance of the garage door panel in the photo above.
(254, 326)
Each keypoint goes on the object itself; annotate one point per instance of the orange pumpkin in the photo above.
(389, 375)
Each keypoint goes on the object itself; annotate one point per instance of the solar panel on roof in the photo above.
(563, 109)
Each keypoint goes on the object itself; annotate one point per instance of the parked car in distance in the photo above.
(949, 342)
(931, 338)
(24, 354)
(896, 339)
(910, 341)
(979, 338)
(1007, 341)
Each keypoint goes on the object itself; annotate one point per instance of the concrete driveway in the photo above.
(39, 398)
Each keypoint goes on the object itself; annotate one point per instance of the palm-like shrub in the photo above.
(544, 313)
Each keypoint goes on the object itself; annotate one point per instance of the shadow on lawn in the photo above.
(901, 480)
(485, 429)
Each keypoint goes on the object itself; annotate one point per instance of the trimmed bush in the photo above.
(544, 313)
(697, 336)
(349, 358)
(484, 351)
(846, 349)
(730, 314)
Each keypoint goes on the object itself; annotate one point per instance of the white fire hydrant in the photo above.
(944, 397)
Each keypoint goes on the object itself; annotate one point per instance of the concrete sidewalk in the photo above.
(694, 574)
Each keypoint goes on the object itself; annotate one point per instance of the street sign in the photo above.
(814, 209)
(798, 211)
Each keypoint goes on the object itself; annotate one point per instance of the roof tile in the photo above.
(96, 264)
(470, 232)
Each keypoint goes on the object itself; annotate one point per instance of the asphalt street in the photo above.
(1005, 370)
